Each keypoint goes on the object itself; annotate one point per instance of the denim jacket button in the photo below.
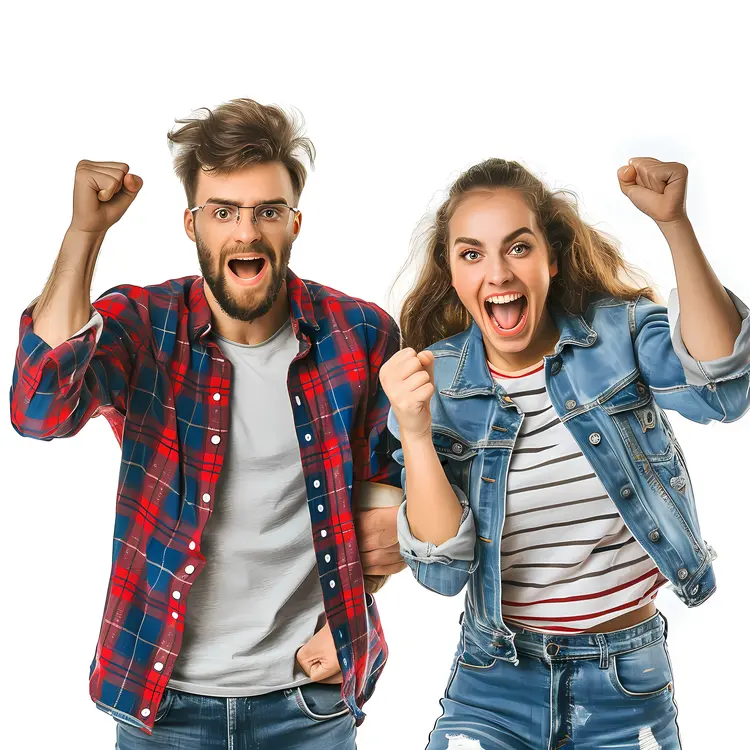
(570, 404)
(641, 389)
(678, 482)
(457, 448)
(654, 536)
(626, 492)
(682, 574)
(595, 438)
(555, 368)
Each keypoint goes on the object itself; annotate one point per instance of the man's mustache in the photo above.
(257, 248)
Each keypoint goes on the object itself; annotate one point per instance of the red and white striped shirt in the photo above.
(568, 562)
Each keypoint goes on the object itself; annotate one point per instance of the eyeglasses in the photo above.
(266, 216)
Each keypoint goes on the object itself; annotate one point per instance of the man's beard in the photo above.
(219, 286)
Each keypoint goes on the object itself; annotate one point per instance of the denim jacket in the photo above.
(614, 371)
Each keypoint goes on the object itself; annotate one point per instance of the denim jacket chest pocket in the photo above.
(641, 423)
(456, 454)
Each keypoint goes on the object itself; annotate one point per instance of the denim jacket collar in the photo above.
(472, 374)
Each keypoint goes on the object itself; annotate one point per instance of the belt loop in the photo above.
(603, 651)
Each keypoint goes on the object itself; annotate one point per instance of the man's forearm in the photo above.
(65, 303)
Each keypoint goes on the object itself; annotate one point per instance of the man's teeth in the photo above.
(502, 299)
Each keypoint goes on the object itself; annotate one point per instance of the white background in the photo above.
(398, 98)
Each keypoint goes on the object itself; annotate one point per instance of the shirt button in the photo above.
(175, 594)
(682, 574)
(308, 437)
(190, 569)
(328, 558)
(332, 584)
(158, 666)
(191, 545)
(174, 615)
(206, 499)
(216, 439)
(595, 438)
(316, 484)
(324, 533)
(217, 396)
(299, 403)
(146, 712)
(654, 536)
(570, 404)
(626, 492)
(320, 508)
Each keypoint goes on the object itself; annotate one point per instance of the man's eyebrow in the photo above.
(230, 202)
(476, 243)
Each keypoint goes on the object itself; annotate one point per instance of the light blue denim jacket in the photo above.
(613, 372)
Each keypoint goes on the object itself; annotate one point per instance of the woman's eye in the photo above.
(522, 246)
(470, 255)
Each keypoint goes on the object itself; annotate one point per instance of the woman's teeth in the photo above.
(502, 299)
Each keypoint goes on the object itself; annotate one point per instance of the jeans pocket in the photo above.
(320, 702)
(167, 700)
(643, 673)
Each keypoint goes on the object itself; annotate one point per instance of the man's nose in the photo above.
(246, 230)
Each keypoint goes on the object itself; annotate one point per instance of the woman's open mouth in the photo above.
(247, 270)
(508, 313)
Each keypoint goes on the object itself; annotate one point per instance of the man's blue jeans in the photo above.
(579, 692)
(310, 717)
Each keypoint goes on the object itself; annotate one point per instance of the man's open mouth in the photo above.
(508, 312)
(248, 268)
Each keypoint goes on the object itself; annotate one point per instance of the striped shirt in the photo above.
(568, 562)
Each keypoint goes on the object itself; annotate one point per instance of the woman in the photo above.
(539, 465)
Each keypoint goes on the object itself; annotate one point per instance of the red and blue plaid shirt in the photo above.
(150, 366)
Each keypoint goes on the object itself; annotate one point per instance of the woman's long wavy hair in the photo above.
(589, 262)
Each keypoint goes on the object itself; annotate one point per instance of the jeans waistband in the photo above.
(554, 647)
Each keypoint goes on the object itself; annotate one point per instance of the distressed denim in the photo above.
(309, 717)
(578, 692)
(613, 373)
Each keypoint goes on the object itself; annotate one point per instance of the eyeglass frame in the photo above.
(239, 213)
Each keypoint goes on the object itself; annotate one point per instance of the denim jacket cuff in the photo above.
(702, 373)
(458, 547)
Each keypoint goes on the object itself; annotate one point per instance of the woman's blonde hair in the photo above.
(589, 262)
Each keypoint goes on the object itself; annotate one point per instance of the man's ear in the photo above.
(297, 226)
(189, 222)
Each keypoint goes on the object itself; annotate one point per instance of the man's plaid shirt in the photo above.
(147, 362)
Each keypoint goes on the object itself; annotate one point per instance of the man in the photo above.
(248, 407)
